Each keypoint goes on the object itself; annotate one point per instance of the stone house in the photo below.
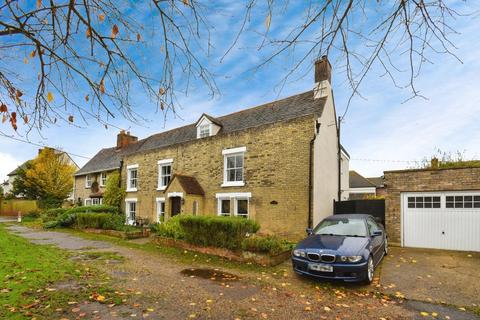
(276, 163)
(434, 208)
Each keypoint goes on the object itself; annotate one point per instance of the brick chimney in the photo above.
(434, 163)
(124, 139)
(323, 78)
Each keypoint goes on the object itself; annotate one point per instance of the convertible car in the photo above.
(346, 247)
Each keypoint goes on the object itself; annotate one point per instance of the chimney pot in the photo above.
(434, 163)
(323, 70)
(124, 139)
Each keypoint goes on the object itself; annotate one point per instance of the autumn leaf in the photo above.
(186, 2)
(101, 17)
(161, 91)
(114, 31)
(25, 60)
(18, 94)
(50, 96)
(25, 119)
(70, 118)
(268, 20)
(88, 33)
(87, 98)
(424, 314)
(39, 4)
(3, 108)
(33, 53)
(102, 86)
(4, 118)
(139, 37)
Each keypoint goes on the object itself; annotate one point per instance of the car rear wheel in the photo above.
(370, 270)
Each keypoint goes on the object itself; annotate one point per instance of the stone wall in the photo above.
(425, 180)
(276, 169)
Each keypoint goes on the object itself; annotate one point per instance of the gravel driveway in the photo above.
(179, 291)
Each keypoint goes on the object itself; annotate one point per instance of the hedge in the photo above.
(222, 232)
(96, 208)
(99, 220)
(266, 244)
(171, 229)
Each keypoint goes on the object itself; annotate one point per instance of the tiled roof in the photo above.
(377, 181)
(358, 181)
(189, 184)
(281, 110)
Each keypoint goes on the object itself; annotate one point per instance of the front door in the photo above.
(176, 203)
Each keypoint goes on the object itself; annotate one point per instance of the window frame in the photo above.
(204, 131)
(88, 181)
(233, 197)
(128, 211)
(421, 202)
(103, 179)
(227, 153)
(87, 200)
(161, 164)
(130, 169)
(459, 201)
(159, 202)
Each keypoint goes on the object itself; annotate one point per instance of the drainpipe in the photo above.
(339, 161)
(310, 178)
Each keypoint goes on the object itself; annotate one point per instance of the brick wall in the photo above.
(276, 168)
(396, 182)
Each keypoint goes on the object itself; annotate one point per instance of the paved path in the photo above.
(7, 219)
(179, 291)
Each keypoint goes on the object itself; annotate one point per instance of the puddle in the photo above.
(211, 274)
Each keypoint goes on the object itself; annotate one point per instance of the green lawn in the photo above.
(28, 274)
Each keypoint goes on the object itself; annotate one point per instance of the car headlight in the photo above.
(299, 253)
(352, 259)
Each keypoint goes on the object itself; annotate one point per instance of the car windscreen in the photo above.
(342, 227)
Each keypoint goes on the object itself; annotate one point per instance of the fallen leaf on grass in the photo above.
(424, 314)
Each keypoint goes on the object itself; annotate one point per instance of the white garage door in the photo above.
(441, 220)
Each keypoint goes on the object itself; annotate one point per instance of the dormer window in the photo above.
(204, 131)
(207, 126)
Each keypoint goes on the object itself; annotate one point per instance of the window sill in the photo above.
(131, 190)
(233, 184)
(161, 188)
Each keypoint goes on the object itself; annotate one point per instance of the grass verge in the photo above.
(29, 275)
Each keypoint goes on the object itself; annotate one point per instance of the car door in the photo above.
(375, 241)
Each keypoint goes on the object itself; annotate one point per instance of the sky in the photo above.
(382, 130)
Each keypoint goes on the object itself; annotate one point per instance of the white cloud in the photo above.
(7, 164)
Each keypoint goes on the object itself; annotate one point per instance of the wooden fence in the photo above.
(14, 206)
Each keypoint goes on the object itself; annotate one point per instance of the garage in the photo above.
(441, 220)
(434, 207)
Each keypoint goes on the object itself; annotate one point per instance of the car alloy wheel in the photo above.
(370, 269)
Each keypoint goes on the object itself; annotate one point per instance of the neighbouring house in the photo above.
(276, 163)
(360, 187)
(8, 184)
(434, 208)
(379, 183)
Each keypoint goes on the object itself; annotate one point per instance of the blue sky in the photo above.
(381, 131)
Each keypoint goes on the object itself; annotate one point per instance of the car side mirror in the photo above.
(309, 231)
(377, 233)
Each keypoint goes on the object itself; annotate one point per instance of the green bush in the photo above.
(171, 229)
(66, 219)
(96, 208)
(99, 220)
(33, 214)
(52, 214)
(50, 224)
(266, 244)
(222, 232)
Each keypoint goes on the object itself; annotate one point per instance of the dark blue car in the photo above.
(346, 247)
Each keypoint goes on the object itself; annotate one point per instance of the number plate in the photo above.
(320, 267)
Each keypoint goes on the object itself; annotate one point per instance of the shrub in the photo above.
(266, 244)
(35, 213)
(52, 214)
(114, 190)
(50, 224)
(100, 220)
(171, 229)
(66, 219)
(96, 208)
(222, 232)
